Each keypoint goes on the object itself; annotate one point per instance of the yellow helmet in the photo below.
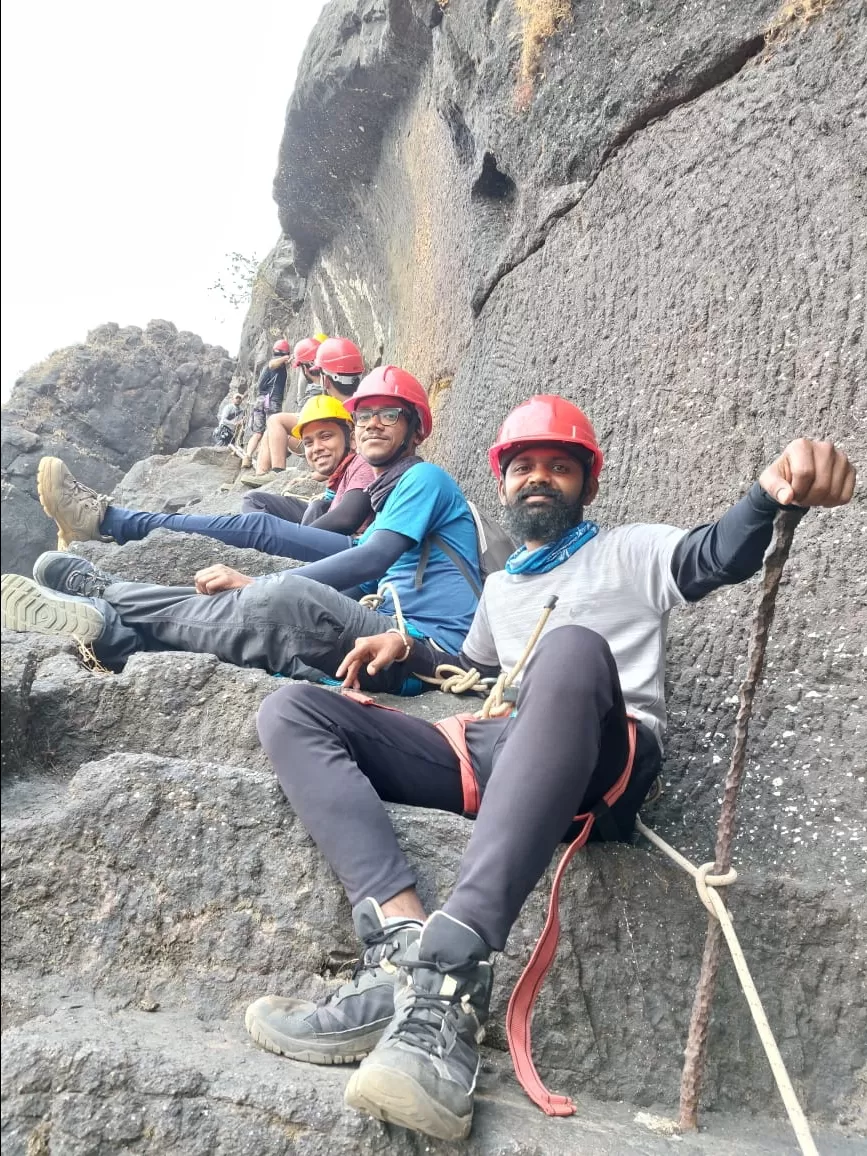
(320, 337)
(323, 407)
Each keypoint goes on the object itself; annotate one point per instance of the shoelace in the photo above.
(371, 960)
(88, 583)
(420, 1031)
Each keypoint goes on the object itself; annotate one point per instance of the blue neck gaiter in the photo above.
(546, 558)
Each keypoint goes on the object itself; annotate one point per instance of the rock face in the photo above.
(652, 210)
(102, 406)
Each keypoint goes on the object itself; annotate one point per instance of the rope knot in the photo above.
(705, 879)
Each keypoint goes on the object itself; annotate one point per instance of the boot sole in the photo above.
(395, 1098)
(272, 1041)
(29, 607)
(48, 481)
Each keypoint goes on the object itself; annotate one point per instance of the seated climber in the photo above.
(303, 357)
(417, 1005)
(301, 618)
(288, 527)
(279, 439)
(270, 391)
(337, 367)
(228, 419)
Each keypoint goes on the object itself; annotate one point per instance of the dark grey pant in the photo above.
(283, 623)
(338, 760)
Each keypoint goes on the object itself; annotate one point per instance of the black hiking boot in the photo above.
(77, 509)
(26, 606)
(69, 574)
(346, 1025)
(422, 1073)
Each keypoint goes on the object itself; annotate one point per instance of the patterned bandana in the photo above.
(546, 558)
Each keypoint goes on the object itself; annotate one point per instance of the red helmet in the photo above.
(545, 418)
(304, 352)
(389, 381)
(282, 347)
(339, 357)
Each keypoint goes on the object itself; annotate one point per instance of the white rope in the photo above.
(706, 885)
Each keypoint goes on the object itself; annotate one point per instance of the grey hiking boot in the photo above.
(255, 480)
(346, 1025)
(26, 606)
(422, 1073)
(77, 509)
(69, 574)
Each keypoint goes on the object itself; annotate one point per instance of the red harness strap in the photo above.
(520, 1013)
(454, 730)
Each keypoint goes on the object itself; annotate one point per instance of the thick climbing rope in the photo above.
(456, 680)
(706, 884)
(763, 615)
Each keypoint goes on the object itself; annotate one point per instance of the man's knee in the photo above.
(572, 657)
(285, 710)
(254, 504)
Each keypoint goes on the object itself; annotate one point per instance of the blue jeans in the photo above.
(256, 531)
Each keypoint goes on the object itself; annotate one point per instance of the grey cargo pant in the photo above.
(283, 623)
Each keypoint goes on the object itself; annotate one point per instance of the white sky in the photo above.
(139, 145)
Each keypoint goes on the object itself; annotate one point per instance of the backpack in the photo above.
(493, 543)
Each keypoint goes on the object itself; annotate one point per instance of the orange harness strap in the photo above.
(454, 730)
(520, 1012)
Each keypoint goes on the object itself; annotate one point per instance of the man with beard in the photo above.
(303, 618)
(590, 706)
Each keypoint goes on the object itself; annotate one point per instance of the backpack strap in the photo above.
(523, 999)
(453, 556)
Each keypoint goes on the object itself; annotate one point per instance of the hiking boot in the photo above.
(26, 606)
(69, 574)
(345, 1026)
(246, 463)
(77, 509)
(258, 479)
(422, 1073)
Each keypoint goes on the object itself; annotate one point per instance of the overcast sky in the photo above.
(139, 146)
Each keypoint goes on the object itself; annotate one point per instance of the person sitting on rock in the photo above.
(279, 439)
(287, 527)
(337, 367)
(418, 1004)
(270, 389)
(228, 419)
(302, 618)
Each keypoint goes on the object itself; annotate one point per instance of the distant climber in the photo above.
(301, 618)
(288, 527)
(417, 1005)
(228, 420)
(336, 368)
(270, 389)
(303, 358)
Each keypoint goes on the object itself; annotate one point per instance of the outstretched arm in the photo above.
(807, 473)
(343, 571)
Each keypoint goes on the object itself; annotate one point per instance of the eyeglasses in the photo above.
(390, 415)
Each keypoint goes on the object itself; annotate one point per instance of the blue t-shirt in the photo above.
(425, 501)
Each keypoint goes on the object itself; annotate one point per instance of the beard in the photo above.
(542, 523)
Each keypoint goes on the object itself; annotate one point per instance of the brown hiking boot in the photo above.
(77, 509)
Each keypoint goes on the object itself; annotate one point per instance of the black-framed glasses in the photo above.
(388, 415)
